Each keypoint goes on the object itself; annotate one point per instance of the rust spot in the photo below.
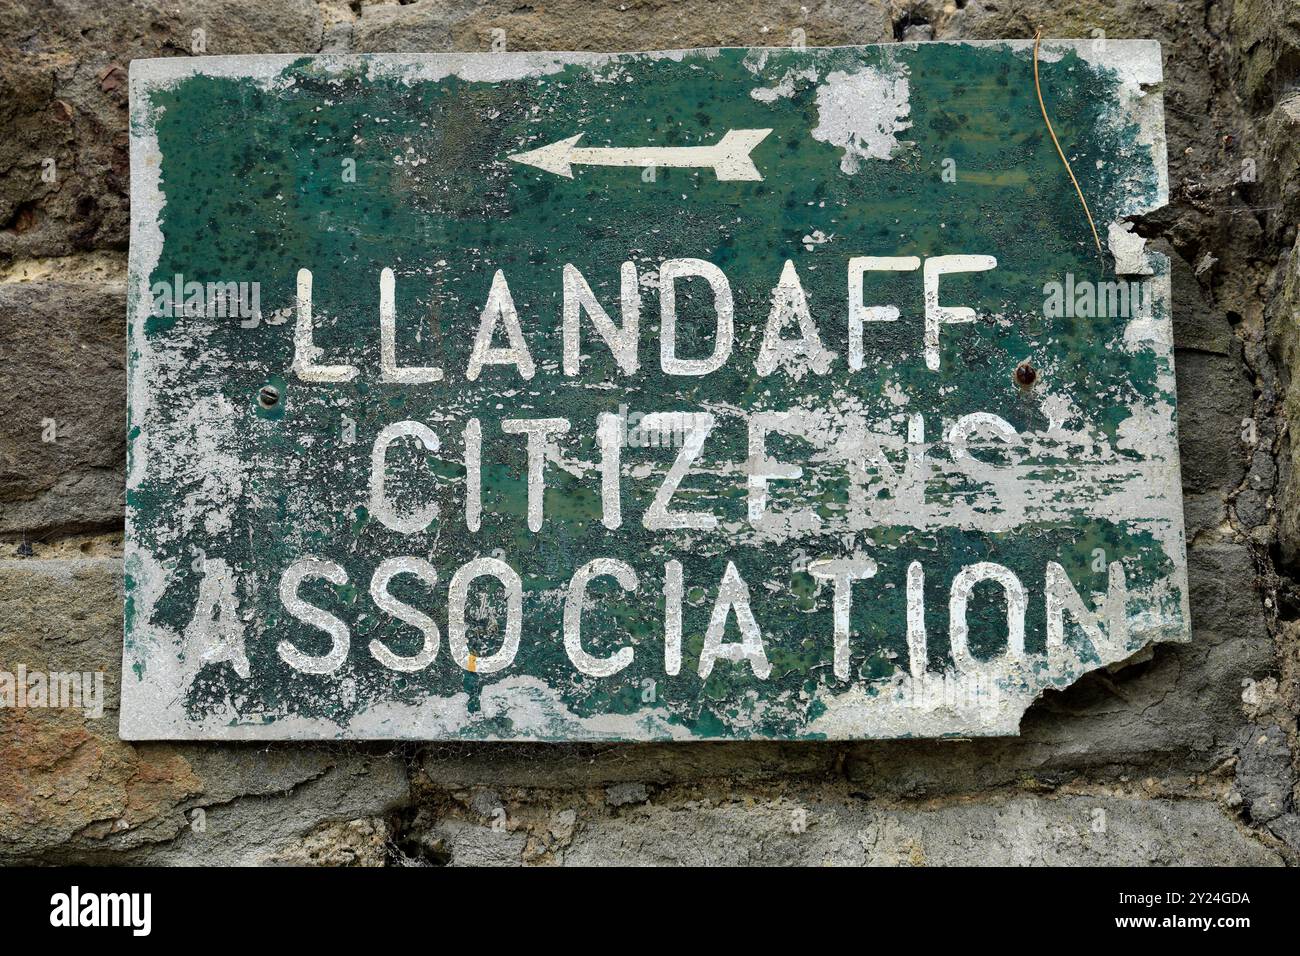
(1026, 375)
(472, 664)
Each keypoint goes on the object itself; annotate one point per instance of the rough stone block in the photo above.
(821, 829)
(63, 434)
(433, 25)
(1264, 772)
(1214, 396)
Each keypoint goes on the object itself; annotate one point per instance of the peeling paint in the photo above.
(863, 527)
(863, 113)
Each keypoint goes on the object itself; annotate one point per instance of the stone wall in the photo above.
(1185, 755)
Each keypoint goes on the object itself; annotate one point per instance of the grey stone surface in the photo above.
(1214, 398)
(564, 766)
(1281, 174)
(62, 361)
(421, 27)
(622, 794)
(1287, 829)
(1264, 774)
(430, 25)
(469, 844)
(1268, 38)
(260, 827)
(1285, 344)
(818, 830)
(1197, 324)
(1203, 515)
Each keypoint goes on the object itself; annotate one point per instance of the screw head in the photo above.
(269, 396)
(1026, 374)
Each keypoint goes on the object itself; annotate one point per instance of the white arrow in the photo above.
(729, 157)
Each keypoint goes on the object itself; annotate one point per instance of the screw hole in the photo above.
(1026, 375)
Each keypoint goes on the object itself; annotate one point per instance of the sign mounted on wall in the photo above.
(758, 393)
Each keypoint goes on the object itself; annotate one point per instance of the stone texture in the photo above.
(1277, 188)
(819, 828)
(1214, 398)
(622, 794)
(1264, 773)
(1268, 41)
(562, 766)
(421, 27)
(459, 843)
(1186, 755)
(63, 360)
(1197, 324)
(431, 25)
(1286, 345)
(293, 824)
(350, 843)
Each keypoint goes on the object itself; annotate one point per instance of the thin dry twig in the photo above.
(1039, 90)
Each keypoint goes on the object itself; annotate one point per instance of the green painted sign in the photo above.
(771, 393)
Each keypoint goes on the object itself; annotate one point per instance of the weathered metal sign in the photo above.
(718, 394)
